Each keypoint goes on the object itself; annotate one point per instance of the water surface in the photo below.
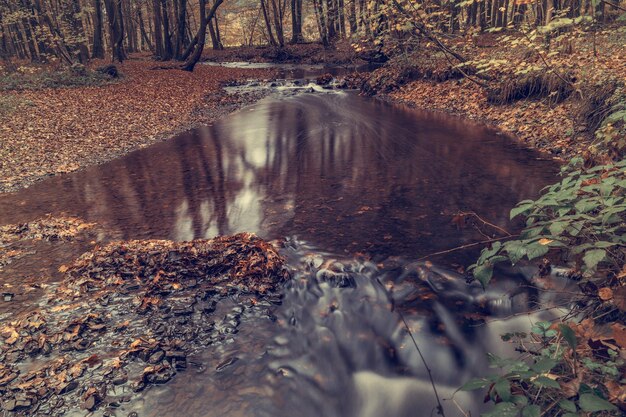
(362, 189)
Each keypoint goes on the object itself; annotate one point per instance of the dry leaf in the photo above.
(619, 298)
(619, 334)
(605, 294)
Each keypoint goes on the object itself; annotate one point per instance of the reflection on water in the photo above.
(352, 177)
(343, 172)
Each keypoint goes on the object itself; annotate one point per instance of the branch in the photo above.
(469, 245)
(423, 30)
(613, 4)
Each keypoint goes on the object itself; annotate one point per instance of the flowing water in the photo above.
(357, 191)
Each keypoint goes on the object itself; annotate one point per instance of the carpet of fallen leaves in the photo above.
(65, 129)
(556, 128)
(128, 314)
(535, 123)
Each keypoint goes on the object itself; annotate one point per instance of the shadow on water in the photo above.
(354, 179)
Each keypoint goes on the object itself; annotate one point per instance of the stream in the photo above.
(355, 191)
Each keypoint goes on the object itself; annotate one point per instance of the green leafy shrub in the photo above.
(551, 378)
(582, 218)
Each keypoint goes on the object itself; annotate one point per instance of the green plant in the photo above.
(550, 379)
(582, 218)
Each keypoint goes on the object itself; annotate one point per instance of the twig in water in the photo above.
(469, 245)
(430, 375)
(408, 329)
(485, 222)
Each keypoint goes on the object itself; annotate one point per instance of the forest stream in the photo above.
(356, 192)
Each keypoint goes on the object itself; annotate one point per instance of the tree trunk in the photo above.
(352, 22)
(98, 48)
(181, 28)
(116, 29)
(296, 21)
(158, 29)
(194, 57)
(142, 28)
(167, 39)
(268, 23)
(77, 32)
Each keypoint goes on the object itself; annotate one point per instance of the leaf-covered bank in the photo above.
(549, 97)
(56, 130)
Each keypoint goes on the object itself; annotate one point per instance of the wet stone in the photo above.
(156, 357)
(176, 355)
(100, 315)
(90, 403)
(208, 307)
(9, 405)
(119, 379)
(179, 365)
(67, 387)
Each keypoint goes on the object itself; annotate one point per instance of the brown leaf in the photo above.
(605, 293)
(619, 334)
(617, 393)
(619, 297)
(570, 388)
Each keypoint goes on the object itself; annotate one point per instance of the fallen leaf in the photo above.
(605, 294)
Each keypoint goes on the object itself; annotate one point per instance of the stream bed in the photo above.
(355, 191)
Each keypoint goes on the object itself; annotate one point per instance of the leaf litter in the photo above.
(127, 315)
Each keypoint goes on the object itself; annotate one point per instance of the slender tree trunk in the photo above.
(167, 39)
(158, 29)
(268, 24)
(194, 57)
(181, 28)
(116, 29)
(296, 21)
(142, 28)
(341, 11)
(97, 50)
(482, 15)
(352, 21)
(28, 30)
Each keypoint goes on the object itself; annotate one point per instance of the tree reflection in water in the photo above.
(343, 172)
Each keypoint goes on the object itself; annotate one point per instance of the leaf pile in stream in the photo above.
(127, 316)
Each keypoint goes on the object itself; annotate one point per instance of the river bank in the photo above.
(57, 130)
(550, 101)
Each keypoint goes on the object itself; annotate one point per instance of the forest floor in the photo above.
(308, 53)
(426, 79)
(49, 131)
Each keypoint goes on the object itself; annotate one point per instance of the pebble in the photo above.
(90, 403)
